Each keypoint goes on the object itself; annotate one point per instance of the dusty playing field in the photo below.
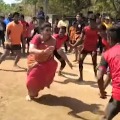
(66, 100)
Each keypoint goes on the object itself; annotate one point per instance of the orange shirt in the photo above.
(16, 31)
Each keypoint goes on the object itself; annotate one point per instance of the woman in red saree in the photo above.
(41, 63)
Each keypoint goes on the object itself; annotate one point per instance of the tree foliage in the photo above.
(6, 8)
(109, 6)
(3, 7)
(61, 6)
(69, 7)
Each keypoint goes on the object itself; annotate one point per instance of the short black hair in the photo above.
(41, 7)
(44, 25)
(47, 17)
(10, 14)
(97, 15)
(115, 33)
(34, 18)
(22, 16)
(63, 28)
(80, 14)
(92, 17)
(102, 27)
(64, 16)
(56, 19)
(90, 12)
(15, 13)
(2, 17)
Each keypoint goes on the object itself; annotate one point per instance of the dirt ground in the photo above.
(67, 99)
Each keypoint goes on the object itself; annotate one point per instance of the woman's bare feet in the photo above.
(28, 98)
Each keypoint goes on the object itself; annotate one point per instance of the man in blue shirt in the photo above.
(9, 19)
(40, 14)
(41, 17)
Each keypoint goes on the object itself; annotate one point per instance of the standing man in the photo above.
(25, 30)
(55, 26)
(47, 20)
(8, 19)
(89, 38)
(80, 24)
(64, 22)
(13, 38)
(30, 31)
(41, 16)
(2, 30)
(99, 45)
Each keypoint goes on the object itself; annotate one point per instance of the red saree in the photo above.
(40, 74)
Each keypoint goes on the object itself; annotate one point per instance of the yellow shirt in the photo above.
(108, 25)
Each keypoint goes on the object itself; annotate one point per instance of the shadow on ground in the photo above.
(75, 81)
(74, 104)
(88, 63)
(19, 69)
(71, 74)
(12, 56)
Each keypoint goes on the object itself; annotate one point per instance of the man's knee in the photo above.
(18, 53)
(63, 64)
(6, 52)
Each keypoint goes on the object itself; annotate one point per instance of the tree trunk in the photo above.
(46, 6)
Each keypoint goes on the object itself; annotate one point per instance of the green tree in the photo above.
(60, 6)
(5, 8)
(68, 6)
(109, 6)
